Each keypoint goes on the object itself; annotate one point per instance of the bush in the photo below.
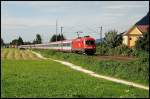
(102, 49)
(121, 50)
(139, 53)
(112, 39)
(143, 42)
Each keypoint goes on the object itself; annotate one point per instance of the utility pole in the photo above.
(56, 30)
(100, 36)
(100, 33)
(61, 36)
(61, 31)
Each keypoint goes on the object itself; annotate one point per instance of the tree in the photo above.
(59, 38)
(17, 42)
(118, 40)
(2, 42)
(20, 41)
(38, 39)
(53, 38)
(112, 39)
(27, 43)
(143, 42)
(35, 42)
(14, 42)
(62, 37)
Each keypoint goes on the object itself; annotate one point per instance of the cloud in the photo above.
(34, 16)
(124, 6)
(17, 22)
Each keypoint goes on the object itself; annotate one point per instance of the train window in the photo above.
(68, 44)
(64, 44)
(55, 45)
(90, 42)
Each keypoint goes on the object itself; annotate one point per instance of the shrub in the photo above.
(112, 39)
(121, 50)
(102, 49)
(143, 42)
(139, 53)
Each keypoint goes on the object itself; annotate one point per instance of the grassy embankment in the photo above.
(135, 70)
(32, 77)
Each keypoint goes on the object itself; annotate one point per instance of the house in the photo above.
(130, 37)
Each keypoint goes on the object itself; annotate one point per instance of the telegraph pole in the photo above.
(61, 36)
(56, 30)
(61, 31)
(100, 36)
(100, 33)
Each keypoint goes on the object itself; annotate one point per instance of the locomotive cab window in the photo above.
(90, 42)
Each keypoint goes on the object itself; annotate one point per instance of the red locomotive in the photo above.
(79, 45)
(85, 45)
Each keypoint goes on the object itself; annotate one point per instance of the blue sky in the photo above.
(27, 18)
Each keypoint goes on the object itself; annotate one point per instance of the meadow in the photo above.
(132, 70)
(24, 75)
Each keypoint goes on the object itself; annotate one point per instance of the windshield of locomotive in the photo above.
(90, 42)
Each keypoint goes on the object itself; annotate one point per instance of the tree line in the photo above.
(37, 40)
(111, 40)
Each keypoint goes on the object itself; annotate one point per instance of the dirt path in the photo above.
(79, 68)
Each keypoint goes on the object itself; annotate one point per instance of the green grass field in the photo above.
(131, 70)
(32, 77)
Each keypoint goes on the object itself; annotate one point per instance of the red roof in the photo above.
(143, 28)
(142, 25)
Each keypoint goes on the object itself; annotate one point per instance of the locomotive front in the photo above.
(89, 45)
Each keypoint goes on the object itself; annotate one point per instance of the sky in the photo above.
(28, 18)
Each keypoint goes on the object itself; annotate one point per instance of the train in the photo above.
(84, 45)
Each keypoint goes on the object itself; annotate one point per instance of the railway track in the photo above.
(121, 58)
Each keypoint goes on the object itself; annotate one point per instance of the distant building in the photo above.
(131, 36)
